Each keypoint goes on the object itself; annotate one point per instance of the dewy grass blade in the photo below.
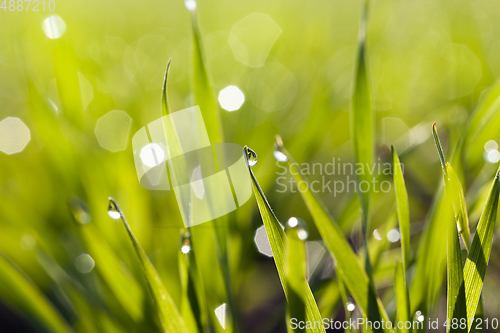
(190, 308)
(277, 238)
(479, 255)
(167, 311)
(459, 207)
(205, 98)
(455, 289)
(455, 191)
(18, 290)
(296, 278)
(178, 171)
(402, 296)
(439, 149)
(348, 266)
(403, 209)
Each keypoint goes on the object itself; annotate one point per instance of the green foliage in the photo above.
(60, 88)
(402, 297)
(277, 239)
(479, 254)
(348, 267)
(170, 318)
(403, 210)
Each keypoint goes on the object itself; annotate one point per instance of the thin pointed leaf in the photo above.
(203, 93)
(362, 132)
(403, 209)
(277, 237)
(165, 109)
(455, 288)
(459, 207)
(189, 303)
(348, 267)
(169, 316)
(479, 255)
(204, 97)
(402, 296)
(439, 149)
(296, 278)
(455, 191)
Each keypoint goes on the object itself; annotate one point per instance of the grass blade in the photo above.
(277, 237)
(167, 311)
(296, 278)
(455, 289)
(402, 296)
(403, 209)
(165, 109)
(126, 289)
(203, 93)
(205, 98)
(15, 288)
(455, 191)
(479, 255)
(351, 272)
(362, 128)
(459, 207)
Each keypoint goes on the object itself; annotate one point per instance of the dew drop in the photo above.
(420, 316)
(278, 154)
(186, 243)
(350, 306)
(113, 211)
(252, 157)
(299, 225)
(190, 5)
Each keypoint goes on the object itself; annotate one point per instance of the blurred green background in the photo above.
(429, 61)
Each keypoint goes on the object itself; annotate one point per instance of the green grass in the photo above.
(336, 97)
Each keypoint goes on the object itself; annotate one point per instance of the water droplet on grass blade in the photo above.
(420, 316)
(350, 307)
(278, 151)
(279, 156)
(299, 225)
(190, 5)
(113, 211)
(251, 157)
(186, 243)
